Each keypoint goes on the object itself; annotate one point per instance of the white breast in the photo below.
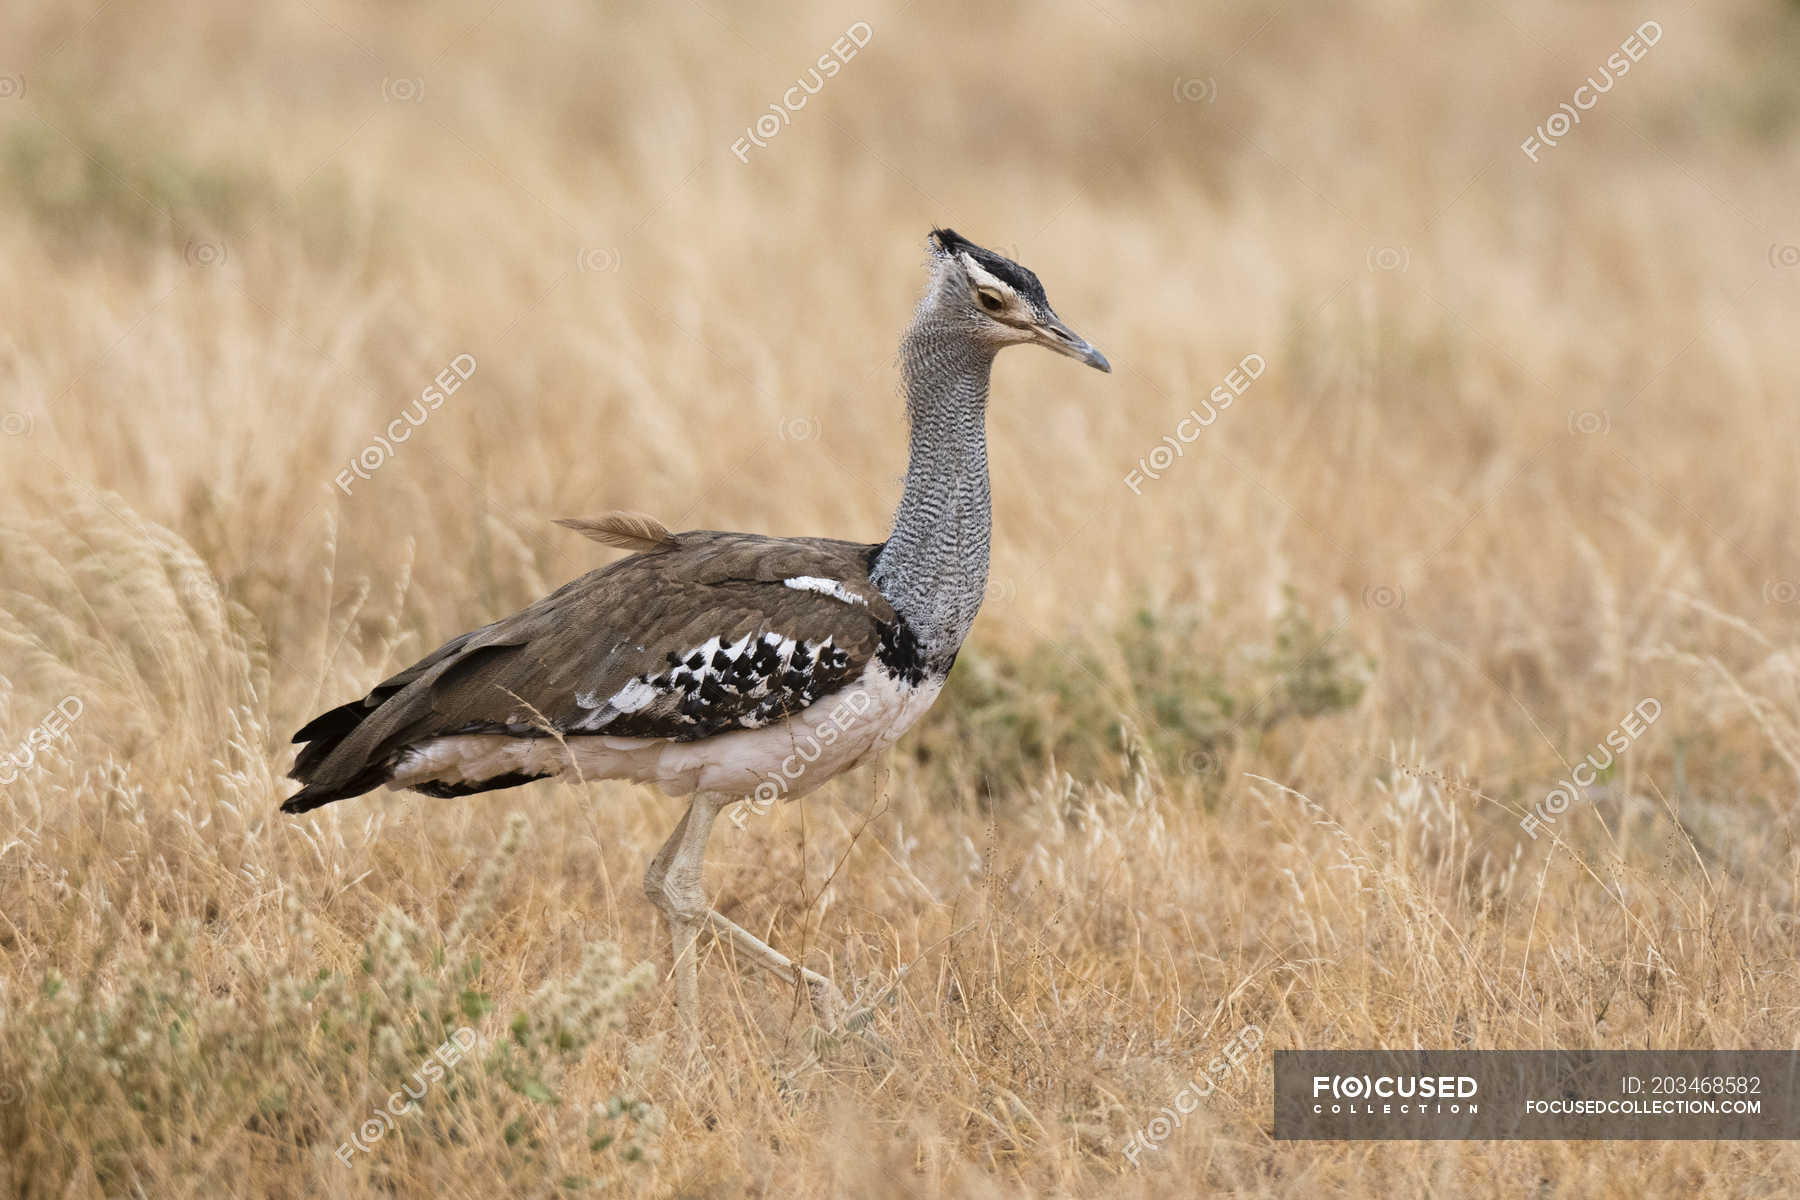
(800, 754)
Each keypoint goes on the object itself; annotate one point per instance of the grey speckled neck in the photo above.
(933, 569)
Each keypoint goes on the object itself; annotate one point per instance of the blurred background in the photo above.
(1519, 456)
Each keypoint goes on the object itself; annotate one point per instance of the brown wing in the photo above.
(714, 632)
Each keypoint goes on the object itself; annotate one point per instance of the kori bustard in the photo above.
(704, 659)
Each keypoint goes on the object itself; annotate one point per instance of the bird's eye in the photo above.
(990, 300)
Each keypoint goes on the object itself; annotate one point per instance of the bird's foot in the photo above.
(841, 1022)
(691, 1057)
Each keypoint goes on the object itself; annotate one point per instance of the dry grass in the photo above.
(1388, 596)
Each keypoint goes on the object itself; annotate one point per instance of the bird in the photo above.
(723, 666)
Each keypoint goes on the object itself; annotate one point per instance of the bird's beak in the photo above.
(1060, 338)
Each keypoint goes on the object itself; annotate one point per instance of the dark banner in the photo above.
(1537, 1094)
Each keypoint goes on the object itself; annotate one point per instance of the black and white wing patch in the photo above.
(718, 686)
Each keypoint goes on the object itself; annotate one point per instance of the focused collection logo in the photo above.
(1394, 1095)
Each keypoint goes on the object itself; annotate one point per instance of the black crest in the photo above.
(1019, 278)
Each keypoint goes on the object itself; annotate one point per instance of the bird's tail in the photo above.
(311, 797)
(321, 735)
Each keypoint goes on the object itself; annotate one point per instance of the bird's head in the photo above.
(996, 301)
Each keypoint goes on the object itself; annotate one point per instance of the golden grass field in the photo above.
(1247, 743)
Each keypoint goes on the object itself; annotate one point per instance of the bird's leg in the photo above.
(828, 1003)
(673, 884)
